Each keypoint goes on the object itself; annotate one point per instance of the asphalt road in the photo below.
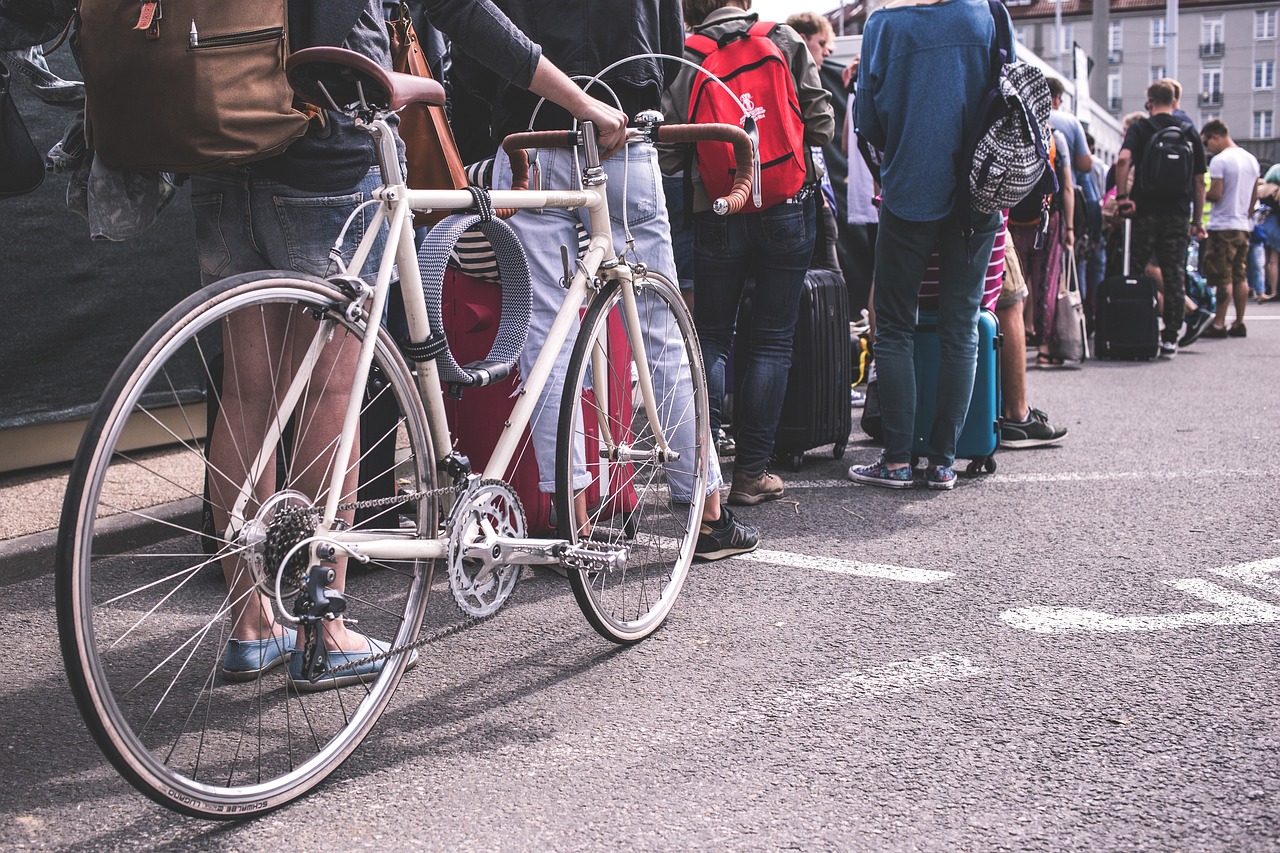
(1076, 653)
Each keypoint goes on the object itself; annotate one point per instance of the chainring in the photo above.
(487, 509)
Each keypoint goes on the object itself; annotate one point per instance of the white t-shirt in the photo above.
(1238, 170)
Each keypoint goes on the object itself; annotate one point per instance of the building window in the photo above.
(1211, 38)
(1020, 35)
(1157, 32)
(1113, 36)
(1264, 74)
(1264, 24)
(1263, 124)
(1067, 39)
(1113, 92)
(1211, 87)
(1157, 71)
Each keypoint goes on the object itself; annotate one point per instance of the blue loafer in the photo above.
(245, 660)
(362, 674)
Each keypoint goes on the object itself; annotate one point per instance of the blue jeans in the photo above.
(902, 253)
(245, 223)
(542, 233)
(681, 237)
(775, 246)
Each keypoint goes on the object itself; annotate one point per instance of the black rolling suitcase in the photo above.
(816, 410)
(1126, 324)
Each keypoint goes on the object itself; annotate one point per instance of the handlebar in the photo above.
(743, 158)
(731, 203)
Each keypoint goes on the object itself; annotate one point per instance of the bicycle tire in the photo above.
(142, 610)
(630, 503)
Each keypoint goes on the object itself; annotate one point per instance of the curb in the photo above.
(28, 557)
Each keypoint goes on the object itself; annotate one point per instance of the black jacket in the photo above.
(583, 37)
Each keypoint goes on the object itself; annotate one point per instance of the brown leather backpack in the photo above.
(187, 85)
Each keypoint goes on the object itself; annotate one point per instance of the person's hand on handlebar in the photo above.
(552, 84)
(611, 123)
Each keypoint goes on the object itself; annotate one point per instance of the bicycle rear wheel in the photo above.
(608, 457)
(143, 605)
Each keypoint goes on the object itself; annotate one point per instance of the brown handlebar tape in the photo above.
(740, 191)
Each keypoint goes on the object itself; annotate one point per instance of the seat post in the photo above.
(388, 154)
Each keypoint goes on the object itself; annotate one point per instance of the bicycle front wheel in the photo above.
(630, 480)
(151, 570)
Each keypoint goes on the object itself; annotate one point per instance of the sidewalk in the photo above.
(30, 508)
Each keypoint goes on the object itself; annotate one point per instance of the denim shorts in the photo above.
(246, 223)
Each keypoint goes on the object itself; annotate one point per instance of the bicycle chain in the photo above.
(415, 645)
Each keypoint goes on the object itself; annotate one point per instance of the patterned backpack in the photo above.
(1006, 149)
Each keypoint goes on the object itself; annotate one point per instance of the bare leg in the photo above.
(262, 349)
(1013, 363)
(1240, 295)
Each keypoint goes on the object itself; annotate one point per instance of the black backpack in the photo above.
(1167, 162)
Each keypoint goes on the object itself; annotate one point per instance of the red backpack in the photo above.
(751, 65)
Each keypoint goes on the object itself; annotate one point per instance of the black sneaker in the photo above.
(1237, 330)
(1035, 431)
(725, 537)
(1196, 324)
(1168, 349)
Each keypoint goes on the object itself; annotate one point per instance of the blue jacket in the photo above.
(923, 73)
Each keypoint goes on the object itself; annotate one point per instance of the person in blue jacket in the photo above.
(923, 71)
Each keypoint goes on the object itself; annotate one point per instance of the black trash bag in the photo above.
(21, 165)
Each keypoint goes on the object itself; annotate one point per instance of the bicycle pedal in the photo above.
(595, 557)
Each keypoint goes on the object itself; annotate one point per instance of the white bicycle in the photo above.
(158, 549)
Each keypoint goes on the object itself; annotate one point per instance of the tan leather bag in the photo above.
(198, 88)
(430, 151)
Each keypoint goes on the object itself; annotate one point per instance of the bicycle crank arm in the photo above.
(508, 551)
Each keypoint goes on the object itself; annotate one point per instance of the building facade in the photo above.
(1228, 53)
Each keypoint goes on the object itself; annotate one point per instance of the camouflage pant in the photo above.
(1165, 238)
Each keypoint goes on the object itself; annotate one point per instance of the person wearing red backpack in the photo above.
(772, 72)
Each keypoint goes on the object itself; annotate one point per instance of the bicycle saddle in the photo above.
(342, 79)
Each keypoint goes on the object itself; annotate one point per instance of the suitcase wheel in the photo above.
(837, 452)
(985, 465)
(795, 461)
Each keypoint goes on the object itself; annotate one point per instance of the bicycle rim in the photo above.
(143, 607)
(607, 436)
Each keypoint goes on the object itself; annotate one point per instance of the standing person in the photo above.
(282, 213)
(1079, 159)
(1161, 206)
(818, 38)
(1270, 229)
(774, 244)
(923, 72)
(862, 198)
(1042, 248)
(584, 38)
(1233, 193)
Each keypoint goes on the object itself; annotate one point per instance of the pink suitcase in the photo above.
(471, 308)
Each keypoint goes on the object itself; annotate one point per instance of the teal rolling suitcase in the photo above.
(980, 435)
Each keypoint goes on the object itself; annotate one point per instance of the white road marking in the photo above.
(1000, 477)
(883, 680)
(844, 567)
(1257, 573)
(1237, 609)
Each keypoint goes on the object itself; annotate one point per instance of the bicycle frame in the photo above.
(396, 205)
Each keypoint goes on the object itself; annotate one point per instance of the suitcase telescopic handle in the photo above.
(1128, 232)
